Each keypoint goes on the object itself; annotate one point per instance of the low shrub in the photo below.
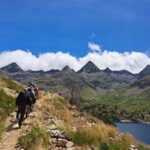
(35, 138)
(85, 136)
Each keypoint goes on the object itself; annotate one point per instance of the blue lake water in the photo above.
(139, 130)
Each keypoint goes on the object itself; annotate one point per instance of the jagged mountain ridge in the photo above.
(89, 75)
(89, 67)
(125, 72)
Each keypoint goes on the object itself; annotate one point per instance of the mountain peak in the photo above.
(89, 67)
(145, 72)
(66, 68)
(147, 68)
(108, 70)
(11, 68)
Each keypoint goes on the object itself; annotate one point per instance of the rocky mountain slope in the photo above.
(90, 73)
(145, 72)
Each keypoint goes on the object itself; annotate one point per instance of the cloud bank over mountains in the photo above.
(131, 61)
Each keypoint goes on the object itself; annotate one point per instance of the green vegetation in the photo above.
(7, 104)
(85, 136)
(34, 138)
(109, 114)
(119, 145)
(82, 129)
(10, 84)
(120, 104)
(7, 100)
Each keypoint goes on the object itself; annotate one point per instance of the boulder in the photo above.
(132, 146)
(15, 126)
(69, 144)
(55, 133)
(61, 143)
(58, 134)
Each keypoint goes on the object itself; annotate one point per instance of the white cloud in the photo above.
(94, 47)
(131, 61)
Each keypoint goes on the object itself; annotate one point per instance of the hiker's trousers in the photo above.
(21, 113)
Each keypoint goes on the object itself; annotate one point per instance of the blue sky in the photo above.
(68, 25)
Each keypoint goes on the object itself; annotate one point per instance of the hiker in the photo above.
(34, 91)
(22, 101)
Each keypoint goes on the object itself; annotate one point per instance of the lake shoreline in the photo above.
(138, 129)
(133, 121)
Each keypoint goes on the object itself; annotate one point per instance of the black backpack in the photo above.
(23, 98)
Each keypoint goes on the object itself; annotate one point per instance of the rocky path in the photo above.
(11, 135)
(58, 140)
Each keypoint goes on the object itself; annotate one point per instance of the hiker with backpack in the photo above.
(22, 102)
(33, 89)
(25, 101)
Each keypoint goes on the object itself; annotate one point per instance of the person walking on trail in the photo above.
(22, 101)
(33, 89)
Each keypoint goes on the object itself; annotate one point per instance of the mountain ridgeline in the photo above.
(90, 74)
(97, 91)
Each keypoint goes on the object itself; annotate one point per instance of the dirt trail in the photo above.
(11, 135)
(12, 132)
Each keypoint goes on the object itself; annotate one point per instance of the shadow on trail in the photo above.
(13, 125)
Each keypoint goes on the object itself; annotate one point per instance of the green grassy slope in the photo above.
(7, 100)
(125, 103)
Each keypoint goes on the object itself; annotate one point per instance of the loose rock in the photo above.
(61, 143)
(69, 144)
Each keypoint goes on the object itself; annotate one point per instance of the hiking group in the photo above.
(25, 102)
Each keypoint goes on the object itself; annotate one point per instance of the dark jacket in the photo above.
(23, 98)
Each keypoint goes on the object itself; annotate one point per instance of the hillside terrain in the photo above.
(55, 124)
(8, 92)
(93, 88)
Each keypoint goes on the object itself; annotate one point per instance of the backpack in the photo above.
(23, 98)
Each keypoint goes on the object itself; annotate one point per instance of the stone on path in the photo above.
(15, 126)
(71, 148)
(61, 143)
(69, 144)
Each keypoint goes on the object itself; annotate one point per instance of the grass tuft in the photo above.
(85, 136)
(37, 137)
